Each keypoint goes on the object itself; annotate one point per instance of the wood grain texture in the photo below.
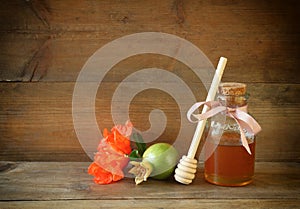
(62, 57)
(260, 39)
(44, 45)
(155, 203)
(36, 120)
(66, 184)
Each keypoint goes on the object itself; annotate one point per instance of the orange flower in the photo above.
(111, 157)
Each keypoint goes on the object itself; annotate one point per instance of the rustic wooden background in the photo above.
(44, 44)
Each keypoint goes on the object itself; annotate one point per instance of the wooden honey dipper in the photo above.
(187, 166)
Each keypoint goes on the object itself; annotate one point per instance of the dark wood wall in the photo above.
(44, 45)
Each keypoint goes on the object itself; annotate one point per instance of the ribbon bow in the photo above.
(240, 115)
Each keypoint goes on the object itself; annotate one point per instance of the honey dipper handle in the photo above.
(187, 166)
(210, 96)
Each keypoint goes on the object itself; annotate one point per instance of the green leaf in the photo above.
(140, 144)
(134, 155)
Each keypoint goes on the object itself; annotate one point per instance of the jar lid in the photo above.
(232, 89)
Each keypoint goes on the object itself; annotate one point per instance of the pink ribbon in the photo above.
(240, 115)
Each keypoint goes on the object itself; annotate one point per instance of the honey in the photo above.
(230, 164)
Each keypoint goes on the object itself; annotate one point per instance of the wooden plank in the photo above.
(57, 37)
(53, 181)
(56, 16)
(61, 57)
(36, 119)
(44, 119)
(155, 203)
(273, 106)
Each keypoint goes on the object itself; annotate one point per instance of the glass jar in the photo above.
(227, 162)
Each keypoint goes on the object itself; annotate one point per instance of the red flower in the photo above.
(111, 157)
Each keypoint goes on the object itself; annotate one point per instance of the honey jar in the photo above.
(227, 162)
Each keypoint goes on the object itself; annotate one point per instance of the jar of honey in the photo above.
(227, 162)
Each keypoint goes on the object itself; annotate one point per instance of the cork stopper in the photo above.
(232, 89)
(233, 94)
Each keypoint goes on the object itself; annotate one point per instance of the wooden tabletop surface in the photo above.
(67, 185)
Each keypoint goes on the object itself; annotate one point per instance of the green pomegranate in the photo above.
(158, 162)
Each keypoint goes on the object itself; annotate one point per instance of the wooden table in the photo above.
(67, 185)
